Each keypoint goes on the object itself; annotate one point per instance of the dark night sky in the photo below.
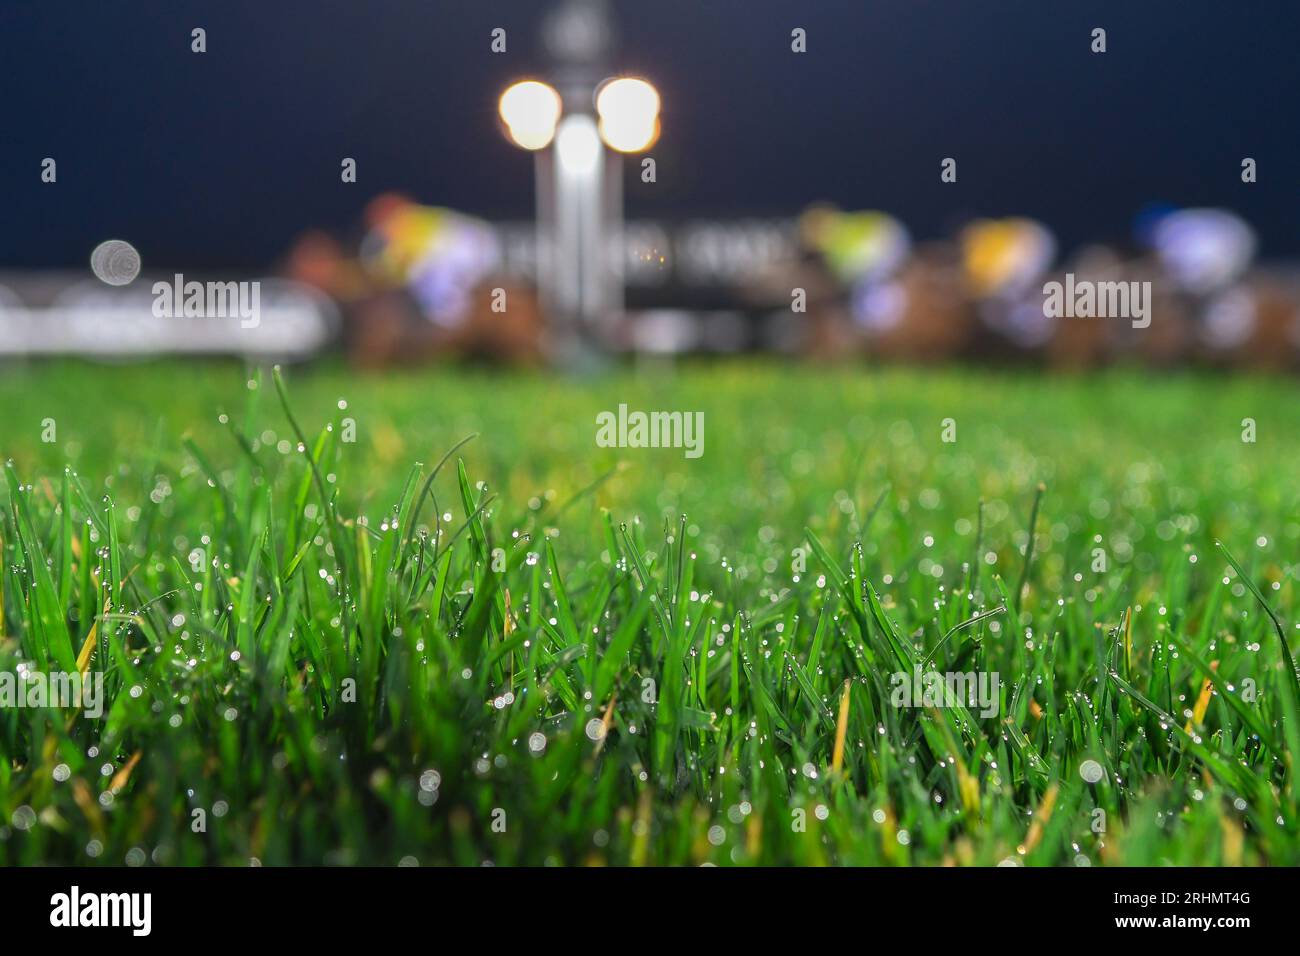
(220, 159)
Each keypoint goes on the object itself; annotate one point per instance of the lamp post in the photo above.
(577, 133)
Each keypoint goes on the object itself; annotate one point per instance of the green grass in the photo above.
(651, 669)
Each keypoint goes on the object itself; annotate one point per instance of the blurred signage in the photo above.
(696, 253)
(50, 315)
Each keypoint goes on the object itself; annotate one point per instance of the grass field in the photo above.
(554, 653)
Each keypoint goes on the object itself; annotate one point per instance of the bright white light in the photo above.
(530, 111)
(115, 262)
(629, 114)
(578, 146)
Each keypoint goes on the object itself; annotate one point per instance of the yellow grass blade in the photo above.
(1202, 702)
(88, 805)
(1040, 819)
(968, 786)
(641, 832)
(1233, 838)
(604, 724)
(88, 648)
(122, 776)
(837, 758)
(754, 835)
(1128, 640)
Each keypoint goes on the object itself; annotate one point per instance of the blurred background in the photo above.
(560, 183)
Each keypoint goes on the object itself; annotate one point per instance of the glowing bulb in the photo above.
(530, 111)
(578, 146)
(629, 114)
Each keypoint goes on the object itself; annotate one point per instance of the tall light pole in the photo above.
(577, 129)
